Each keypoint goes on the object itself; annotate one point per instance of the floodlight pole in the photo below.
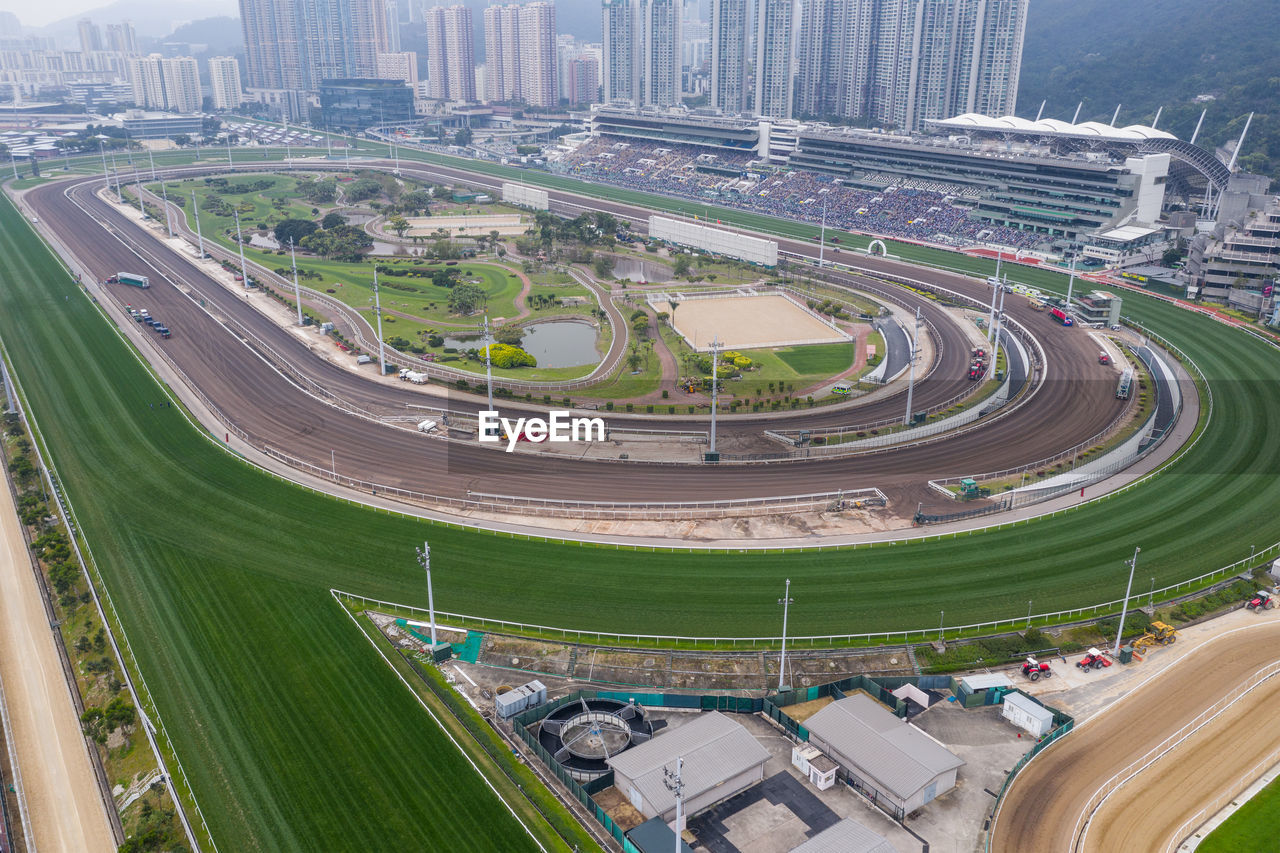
(675, 784)
(488, 360)
(103, 151)
(199, 234)
(785, 601)
(168, 223)
(424, 558)
(151, 159)
(822, 240)
(115, 173)
(1132, 564)
(715, 388)
(138, 182)
(994, 281)
(1071, 282)
(297, 292)
(377, 312)
(942, 615)
(911, 377)
(229, 164)
(244, 271)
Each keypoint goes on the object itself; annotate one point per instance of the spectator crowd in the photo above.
(926, 211)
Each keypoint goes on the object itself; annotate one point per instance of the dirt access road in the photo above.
(1048, 797)
(62, 797)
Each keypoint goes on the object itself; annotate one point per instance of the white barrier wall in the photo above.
(526, 196)
(715, 240)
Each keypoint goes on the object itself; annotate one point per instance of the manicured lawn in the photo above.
(820, 359)
(1248, 829)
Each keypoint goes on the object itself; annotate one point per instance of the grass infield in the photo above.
(296, 736)
(1246, 831)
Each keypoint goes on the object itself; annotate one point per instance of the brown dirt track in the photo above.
(1043, 805)
(276, 413)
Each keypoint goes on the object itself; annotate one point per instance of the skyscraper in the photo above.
(165, 83)
(294, 44)
(451, 60)
(501, 52)
(620, 29)
(539, 74)
(729, 56)
(583, 85)
(773, 58)
(660, 64)
(399, 66)
(224, 82)
(122, 38)
(903, 62)
(90, 36)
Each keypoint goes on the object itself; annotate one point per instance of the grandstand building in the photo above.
(1024, 187)
(1048, 184)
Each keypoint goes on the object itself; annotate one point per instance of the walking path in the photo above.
(66, 810)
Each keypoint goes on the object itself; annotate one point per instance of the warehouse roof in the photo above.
(847, 836)
(714, 749)
(895, 753)
(985, 681)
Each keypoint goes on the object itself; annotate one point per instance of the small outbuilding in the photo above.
(809, 760)
(847, 836)
(721, 759)
(1026, 713)
(894, 763)
(654, 836)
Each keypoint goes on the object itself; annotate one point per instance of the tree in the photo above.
(682, 266)
(362, 189)
(603, 266)
(332, 220)
(182, 140)
(416, 200)
(462, 138)
(633, 360)
(466, 298)
(398, 224)
(509, 334)
(295, 230)
(35, 167)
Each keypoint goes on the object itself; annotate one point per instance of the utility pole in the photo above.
(785, 601)
(942, 615)
(1132, 564)
(297, 292)
(1071, 282)
(229, 163)
(195, 205)
(151, 158)
(424, 559)
(911, 377)
(715, 395)
(673, 783)
(244, 270)
(105, 176)
(377, 312)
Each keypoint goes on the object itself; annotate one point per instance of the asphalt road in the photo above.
(1077, 402)
(1043, 806)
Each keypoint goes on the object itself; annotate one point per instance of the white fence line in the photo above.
(904, 636)
(1081, 831)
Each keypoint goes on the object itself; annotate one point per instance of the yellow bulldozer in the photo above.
(1160, 634)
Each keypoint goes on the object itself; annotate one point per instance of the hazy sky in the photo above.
(47, 11)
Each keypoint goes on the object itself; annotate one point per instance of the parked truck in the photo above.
(1062, 317)
(130, 278)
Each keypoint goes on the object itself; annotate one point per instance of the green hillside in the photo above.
(1145, 54)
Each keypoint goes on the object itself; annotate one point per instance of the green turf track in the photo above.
(294, 734)
(1248, 829)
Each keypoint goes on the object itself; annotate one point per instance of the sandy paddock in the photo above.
(748, 322)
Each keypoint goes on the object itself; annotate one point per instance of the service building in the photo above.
(721, 759)
(894, 763)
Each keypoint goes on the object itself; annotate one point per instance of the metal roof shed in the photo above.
(1026, 713)
(893, 762)
(721, 758)
(847, 836)
(654, 836)
(985, 681)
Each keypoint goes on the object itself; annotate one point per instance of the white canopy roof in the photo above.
(1053, 127)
